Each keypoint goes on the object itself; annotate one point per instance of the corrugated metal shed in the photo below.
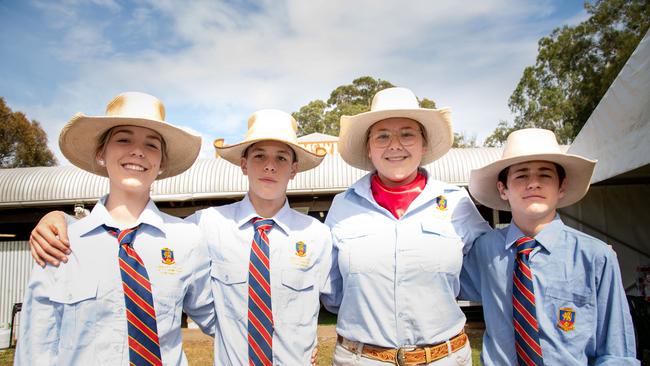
(16, 263)
(210, 178)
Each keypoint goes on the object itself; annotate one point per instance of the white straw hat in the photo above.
(271, 125)
(391, 103)
(532, 144)
(80, 136)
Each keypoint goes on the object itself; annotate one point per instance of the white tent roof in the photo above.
(618, 131)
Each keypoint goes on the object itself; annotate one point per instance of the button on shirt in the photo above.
(74, 314)
(399, 277)
(300, 258)
(573, 274)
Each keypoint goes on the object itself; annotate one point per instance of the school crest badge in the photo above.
(167, 256)
(441, 203)
(301, 249)
(566, 319)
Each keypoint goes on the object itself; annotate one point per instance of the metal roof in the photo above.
(211, 178)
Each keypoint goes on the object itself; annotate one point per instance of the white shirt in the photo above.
(297, 279)
(400, 276)
(74, 314)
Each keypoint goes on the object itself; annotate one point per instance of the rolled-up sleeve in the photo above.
(614, 329)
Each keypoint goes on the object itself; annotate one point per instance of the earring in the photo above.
(101, 162)
(160, 172)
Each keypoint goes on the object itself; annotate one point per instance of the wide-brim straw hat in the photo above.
(79, 138)
(532, 144)
(391, 103)
(272, 125)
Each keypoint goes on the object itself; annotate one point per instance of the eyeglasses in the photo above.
(406, 137)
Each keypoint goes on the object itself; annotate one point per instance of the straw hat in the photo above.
(271, 125)
(79, 137)
(532, 144)
(389, 103)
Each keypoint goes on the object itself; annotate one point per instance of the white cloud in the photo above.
(224, 61)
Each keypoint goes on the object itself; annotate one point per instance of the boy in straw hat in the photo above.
(270, 263)
(551, 294)
(118, 299)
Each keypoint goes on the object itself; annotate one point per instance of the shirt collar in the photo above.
(547, 238)
(433, 188)
(246, 212)
(99, 216)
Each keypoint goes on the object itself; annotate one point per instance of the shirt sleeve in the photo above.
(332, 289)
(198, 302)
(615, 344)
(40, 321)
(470, 277)
(468, 222)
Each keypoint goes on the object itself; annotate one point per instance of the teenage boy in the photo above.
(270, 263)
(551, 294)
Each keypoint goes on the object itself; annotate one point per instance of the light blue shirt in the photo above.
(300, 259)
(571, 271)
(400, 276)
(74, 314)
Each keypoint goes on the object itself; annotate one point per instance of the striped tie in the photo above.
(260, 316)
(529, 351)
(144, 348)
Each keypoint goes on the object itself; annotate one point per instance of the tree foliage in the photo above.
(323, 117)
(22, 143)
(574, 68)
(462, 141)
(350, 99)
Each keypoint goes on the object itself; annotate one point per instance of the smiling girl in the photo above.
(119, 297)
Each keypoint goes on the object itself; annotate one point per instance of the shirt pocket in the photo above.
(572, 313)
(79, 305)
(232, 283)
(358, 252)
(440, 250)
(299, 298)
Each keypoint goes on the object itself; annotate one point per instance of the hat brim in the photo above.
(483, 181)
(306, 159)
(79, 138)
(354, 129)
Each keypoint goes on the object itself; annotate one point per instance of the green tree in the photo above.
(574, 68)
(462, 141)
(350, 99)
(499, 135)
(22, 143)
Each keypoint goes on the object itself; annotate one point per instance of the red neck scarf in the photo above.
(397, 199)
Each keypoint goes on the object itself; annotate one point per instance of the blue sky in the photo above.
(213, 63)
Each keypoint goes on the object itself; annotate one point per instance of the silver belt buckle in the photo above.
(400, 357)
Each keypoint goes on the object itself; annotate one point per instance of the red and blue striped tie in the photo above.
(260, 315)
(529, 351)
(144, 347)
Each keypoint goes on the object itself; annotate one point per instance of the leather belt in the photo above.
(407, 355)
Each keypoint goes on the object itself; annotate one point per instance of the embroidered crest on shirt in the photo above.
(167, 256)
(441, 203)
(168, 264)
(301, 249)
(566, 319)
(300, 258)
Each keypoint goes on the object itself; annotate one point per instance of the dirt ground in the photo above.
(198, 346)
